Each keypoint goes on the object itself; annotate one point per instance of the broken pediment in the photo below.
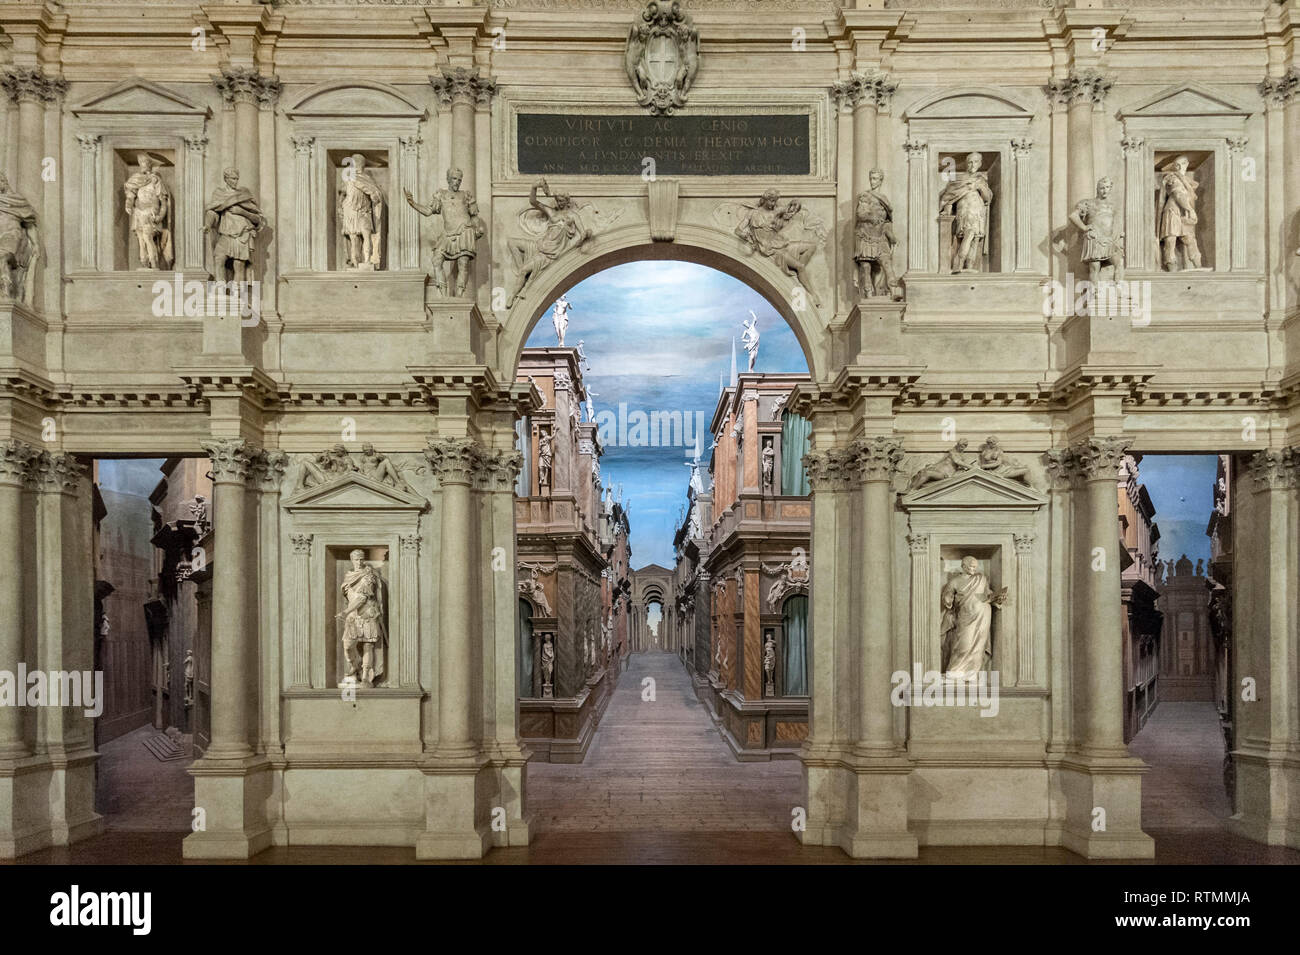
(1188, 99)
(974, 489)
(354, 99)
(140, 97)
(354, 492)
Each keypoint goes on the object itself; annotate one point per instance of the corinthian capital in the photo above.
(17, 462)
(871, 89)
(1082, 86)
(454, 460)
(57, 472)
(833, 469)
(499, 469)
(1275, 470)
(1099, 458)
(31, 85)
(462, 85)
(878, 458)
(239, 84)
(1277, 91)
(231, 459)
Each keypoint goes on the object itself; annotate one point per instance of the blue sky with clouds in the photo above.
(657, 335)
(1182, 489)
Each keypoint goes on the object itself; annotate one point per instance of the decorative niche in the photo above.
(339, 165)
(994, 519)
(329, 521)
(113, 128)
(1210, 130)
(942, 129)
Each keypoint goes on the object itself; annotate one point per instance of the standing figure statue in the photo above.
(548, 666)
(19, 245)
(1103, 243)
(232, 219)
(967, 623)
(365, 633)
(749, 338)
(149, 209)
(769, 465)
(361, 216)
(461, 229)
(873, 250)
(560, 318)
(764, 230)
(545, 455)
(562, 229)
(769, 664)
(1177, 205)
(591, 405)
(968, 198)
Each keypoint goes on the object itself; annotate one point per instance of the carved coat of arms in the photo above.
(662, 56)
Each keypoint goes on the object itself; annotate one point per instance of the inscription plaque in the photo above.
(771, 144)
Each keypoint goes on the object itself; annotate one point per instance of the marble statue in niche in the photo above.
(787, 234)
(769, 464)
(662, 56)
(769, 665)
(968, 198)
(548, 666)
(361, 216)
(149, 209)
(1178, 220)
(232, 220)
(560, 318)
(19, 245)
(461, 230)
(551, 230)
(966, 627)
(365, 626)
(749, 338)
(874, 241)
(189, 678)
(1103, 243)
(545, 456)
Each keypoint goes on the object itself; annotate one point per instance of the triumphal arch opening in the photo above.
(303, 243)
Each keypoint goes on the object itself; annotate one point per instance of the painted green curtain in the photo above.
(525, 649)
(795, 430)
(796, 646)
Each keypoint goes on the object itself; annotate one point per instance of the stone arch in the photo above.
(700, 244)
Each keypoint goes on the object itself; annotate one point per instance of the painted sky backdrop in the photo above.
(657, 335)
(1182, 489)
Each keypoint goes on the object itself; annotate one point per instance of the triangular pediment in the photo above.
(354, 492)
(974, 489)
(135, 96)
(1188, 99)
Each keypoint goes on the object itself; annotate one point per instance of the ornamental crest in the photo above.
(663, 53)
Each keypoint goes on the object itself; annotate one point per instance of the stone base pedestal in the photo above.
(1268, 797)
(511, 781)
(859, 805)
(456, 331)
(22, 336)
(234, 795)
(1079, 786)
(47, 802)
(459, 803)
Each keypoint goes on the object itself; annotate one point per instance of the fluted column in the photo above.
(925, 650)
(462, 89)
(16, 464)
(31, 89)
(864, 94)
(91, 146)
(248, 92)
(302, 152)
(920, 217)
(454, 463)
(192, 202)
(877, 460)
(1022, 154)
(1135, 201)
(299, 610)
(1084, 91)
(1098, 638)
(234, 643)
(1024, 675)
(1281, 96)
